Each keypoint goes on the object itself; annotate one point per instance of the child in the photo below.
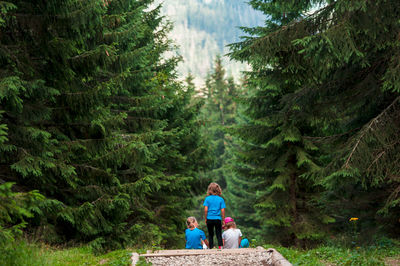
(232, 236)
(214, 213)
(245, 243)
(194, 237)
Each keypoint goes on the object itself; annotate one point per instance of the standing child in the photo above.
(232, 236)
(214, 213)
(194, 237)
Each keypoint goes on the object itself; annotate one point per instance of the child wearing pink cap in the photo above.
(232, 236)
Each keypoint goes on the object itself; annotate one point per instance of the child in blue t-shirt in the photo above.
(194, 237)
(214, 213)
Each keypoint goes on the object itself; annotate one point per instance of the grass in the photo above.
(20, 253)
(84, 256)
(330, 255)
(23, 253)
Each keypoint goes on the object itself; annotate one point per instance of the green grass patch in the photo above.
(23, 253)
(331, 255)
(85, 256)
(20, 253)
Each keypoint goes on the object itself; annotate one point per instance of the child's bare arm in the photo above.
(240, 240)
(205, 213)
(223, 216)
(206, 241)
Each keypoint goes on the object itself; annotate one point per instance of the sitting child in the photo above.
(232, 236)
(194, 237)
(245, 243)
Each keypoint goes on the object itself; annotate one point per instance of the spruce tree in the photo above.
(331, 75)
(53, 56)
(96, 122)
(218, 113)
(275, 157)
(240, 190)
(361, 120)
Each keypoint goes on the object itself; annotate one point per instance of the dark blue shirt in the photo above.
(193, 238)
(215, 204)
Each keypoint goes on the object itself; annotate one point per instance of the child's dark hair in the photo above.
(190, 221)
(214, 189)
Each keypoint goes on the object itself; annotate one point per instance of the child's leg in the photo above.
(218, 232)
(210, 227)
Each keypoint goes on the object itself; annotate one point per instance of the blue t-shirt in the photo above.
(193, 238)
(215, 204)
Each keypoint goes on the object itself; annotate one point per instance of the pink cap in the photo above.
(228, 220)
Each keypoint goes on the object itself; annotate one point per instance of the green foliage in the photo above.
(320, 137)
(274, 155)
(5, 7)
(15, 208)
(218, 113)
(331, 254)
(93, 118)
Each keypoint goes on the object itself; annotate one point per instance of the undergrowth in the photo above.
(375, 254)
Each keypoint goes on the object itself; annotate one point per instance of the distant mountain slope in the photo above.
(202, 29)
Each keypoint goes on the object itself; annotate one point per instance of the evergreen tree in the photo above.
(275, 157)
(58, 119)
(198, 186)
(96, 121)
(14, 207)
(363, 106)
(218, 113)
(240, 190)
(326, 79)
(161, 149)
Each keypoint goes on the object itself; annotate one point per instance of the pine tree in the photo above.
(14, 207)
(240, 194)
(54, 94)
(217, 113)
(275, 157)
(361, 121)
(96, 122)
(332, 77)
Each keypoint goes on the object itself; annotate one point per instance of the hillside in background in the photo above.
(203, 28)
